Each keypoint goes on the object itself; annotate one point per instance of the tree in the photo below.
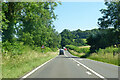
(111, 18)
(101, 39)
(67, 37)
(111, 15)
(29, 22)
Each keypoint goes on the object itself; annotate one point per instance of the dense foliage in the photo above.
(102, 39)
(77, 37)
(30, 23)
(107, 36)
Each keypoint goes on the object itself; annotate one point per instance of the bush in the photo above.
(18, 48)
(108, 50)
(12, 48)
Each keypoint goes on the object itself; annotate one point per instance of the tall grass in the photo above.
(18, 65)
(108, 55)
(19, 59)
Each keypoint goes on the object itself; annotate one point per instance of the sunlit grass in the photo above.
(108, 55)
(18, 65)
(76, 53)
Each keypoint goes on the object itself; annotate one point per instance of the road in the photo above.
(69, 66)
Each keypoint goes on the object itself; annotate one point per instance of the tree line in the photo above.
(109, 24)
(30, 23)
(76, 37)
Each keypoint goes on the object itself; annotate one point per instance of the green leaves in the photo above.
(30, 22)
(110, 16)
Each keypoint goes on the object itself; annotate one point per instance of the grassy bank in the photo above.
(76, 53)
(18, 65)
(77, 49)
(108, 55)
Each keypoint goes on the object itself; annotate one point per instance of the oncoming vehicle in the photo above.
(61, 52)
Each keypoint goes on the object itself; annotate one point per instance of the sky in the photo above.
(78, 15)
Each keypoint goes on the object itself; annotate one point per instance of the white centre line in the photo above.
(89, 73)
(78, 64)
(100, 76)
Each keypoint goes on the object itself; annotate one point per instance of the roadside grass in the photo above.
(18, 65)
(76, 53)
(108, 55)
(77, 49)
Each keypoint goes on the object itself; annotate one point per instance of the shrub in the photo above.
(12, 48)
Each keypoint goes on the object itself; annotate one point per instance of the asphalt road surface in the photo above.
(69, 66)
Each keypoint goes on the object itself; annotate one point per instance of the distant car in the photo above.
(61, 52)
(65, 49)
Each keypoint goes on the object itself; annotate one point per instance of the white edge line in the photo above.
(90, 70)
(35, 69)
(65, 55)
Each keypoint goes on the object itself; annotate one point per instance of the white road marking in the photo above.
(35, 70)
(91, 70)
(65, 55)
(89, 73)
(78, 64)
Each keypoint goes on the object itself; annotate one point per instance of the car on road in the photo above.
(61, 52)
(65, 49)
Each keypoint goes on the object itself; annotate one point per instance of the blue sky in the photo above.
(78, 15)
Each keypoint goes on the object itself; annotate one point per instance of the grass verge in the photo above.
(76, 53)
(107, 58)
(18, 65)
(108, 55)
